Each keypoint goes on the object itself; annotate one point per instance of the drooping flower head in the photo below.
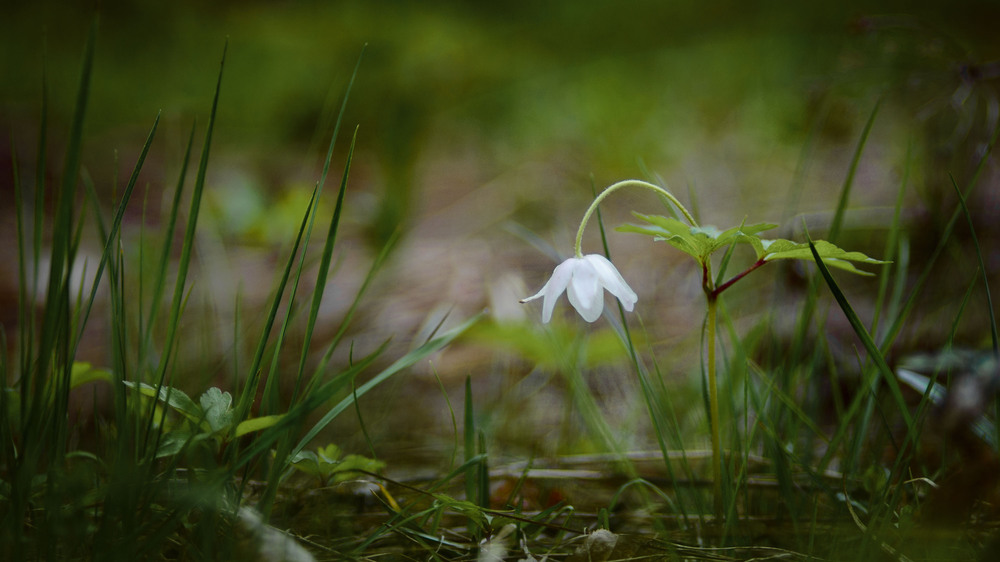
(584, 279)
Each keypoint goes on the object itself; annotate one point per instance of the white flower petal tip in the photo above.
(584, 281)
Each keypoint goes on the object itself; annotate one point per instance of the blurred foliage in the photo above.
(609, 83)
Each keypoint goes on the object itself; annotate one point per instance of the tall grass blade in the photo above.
(334, 223)
(982, 268)
(349, 315)
(160, 274)
(943, 240)
(270, 397)
(473, 492)
(892, 249)
(845, 192)
(112, 238)
(402, 363)
(270, 400)
(188, 245)
(53, 325)
(874, 353)
(327, 256)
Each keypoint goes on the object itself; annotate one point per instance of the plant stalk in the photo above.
(577, 247)
(713, 406)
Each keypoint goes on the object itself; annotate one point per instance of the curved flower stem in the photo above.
(713, 406)
(614, 187)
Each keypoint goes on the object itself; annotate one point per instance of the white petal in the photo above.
(613, 281)
(585, 292)
(554, 287)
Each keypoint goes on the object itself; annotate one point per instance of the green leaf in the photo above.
(173, 397)
(831, 255)
(351, 464)
(307, 462)
(173, 442)
(256, 424)
(744, 234)
(218, 408)
(326, 463)
(699, 242)
(82, 373)
(329, 454)
(547, 348)
(673, 232)
(874, 353)
(463, 507)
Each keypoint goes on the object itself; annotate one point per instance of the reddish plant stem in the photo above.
(716, 291)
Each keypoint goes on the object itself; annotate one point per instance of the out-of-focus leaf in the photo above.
(831, 255)
(218, 408)
(172, 396)
(329, 454)
(173, 442)
(307, 462)
(348, 467)
(699, 242)
(327, 465)
(256, 424)
(82, 373)
(463, 507)
(548, 348)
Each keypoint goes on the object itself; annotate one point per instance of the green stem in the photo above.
(713, 407)
(614, 187)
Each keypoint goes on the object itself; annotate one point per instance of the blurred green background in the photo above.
(595, 86)
(477, 115)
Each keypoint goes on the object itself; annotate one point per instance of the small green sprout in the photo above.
(327, 465)
(211, 418)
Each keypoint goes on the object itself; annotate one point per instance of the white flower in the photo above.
(584, 279)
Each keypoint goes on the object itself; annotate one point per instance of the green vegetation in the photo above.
(145, 414)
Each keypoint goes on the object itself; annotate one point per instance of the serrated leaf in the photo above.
(329, 454)
(683, 242)
(699, 242)
(744, 234)
(831, 254)
(218, 408)
(696, 244)
(668, 225)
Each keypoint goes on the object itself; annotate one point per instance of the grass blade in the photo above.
(402, 363)
(112, 236)
(160, 275)
(845, 192)
(874, 353)
(982, 268)
(189, 235)
(325, 260)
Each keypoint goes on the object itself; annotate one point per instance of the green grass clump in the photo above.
(167, 475)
